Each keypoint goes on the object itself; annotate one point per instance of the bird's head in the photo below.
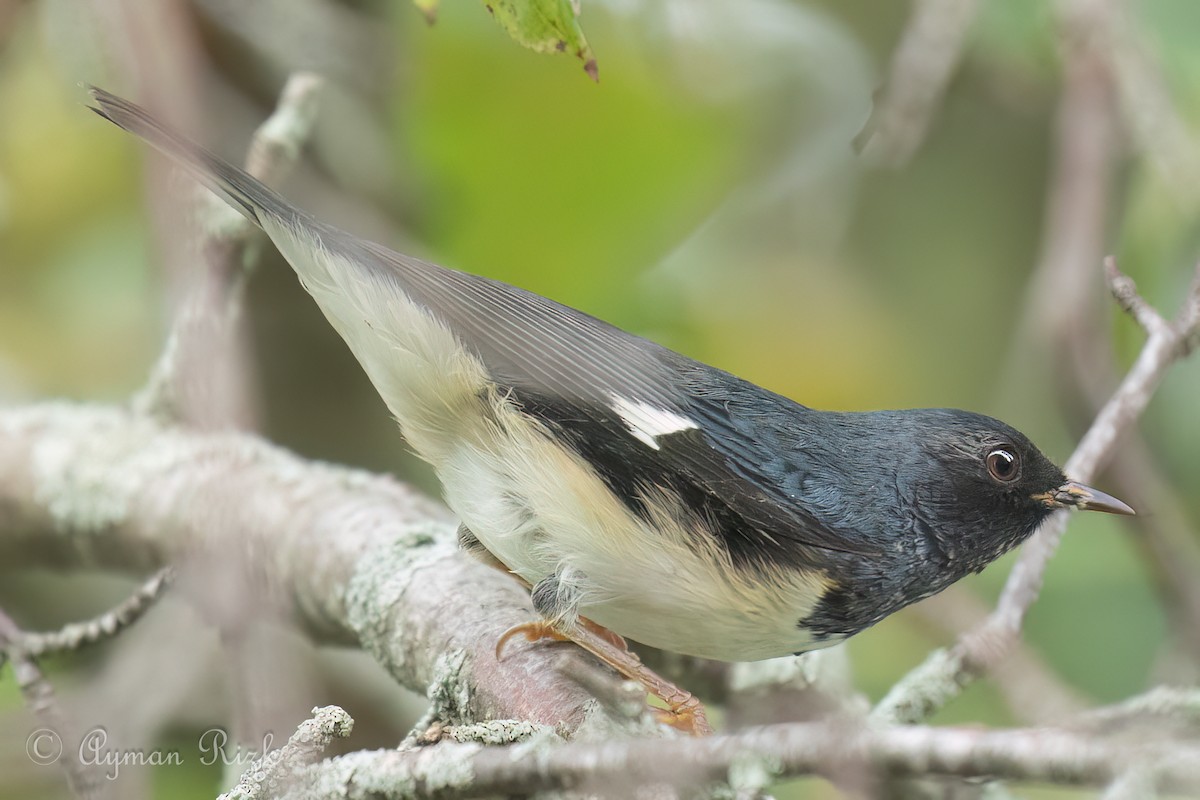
(939, 493)
(981, 487)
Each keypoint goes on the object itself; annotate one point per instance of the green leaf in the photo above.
(428, 8)
(545, 26)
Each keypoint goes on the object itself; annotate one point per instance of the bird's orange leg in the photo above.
(684, 712)
(545, 630)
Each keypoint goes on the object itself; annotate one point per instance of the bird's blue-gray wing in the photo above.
(587, 378)
(580, 375)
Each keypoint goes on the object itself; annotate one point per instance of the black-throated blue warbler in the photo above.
(661, 498)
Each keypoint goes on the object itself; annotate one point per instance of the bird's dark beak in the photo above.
(1075, 495)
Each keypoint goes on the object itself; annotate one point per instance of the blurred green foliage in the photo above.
(884, 290)
(545, 26)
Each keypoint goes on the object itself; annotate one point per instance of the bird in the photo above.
(640, 493)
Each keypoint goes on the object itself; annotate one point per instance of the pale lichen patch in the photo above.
(440, 768)
(380, 579)
(71, 466)
(449, 692)
(500, 731)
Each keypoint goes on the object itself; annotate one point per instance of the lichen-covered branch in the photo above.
(353, 557)
(469, 770)
(274, 770)
(1162, 702)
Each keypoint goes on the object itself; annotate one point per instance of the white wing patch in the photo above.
(647, 422)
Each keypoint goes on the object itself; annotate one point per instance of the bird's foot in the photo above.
(546, 630)
(687, 717)
(683, 712)
(542, 630)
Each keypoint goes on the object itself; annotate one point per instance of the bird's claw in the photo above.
(683, 712)
(690, 719)
(543, 630)
(533, 632)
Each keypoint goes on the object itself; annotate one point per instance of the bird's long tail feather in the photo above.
(429, 381)
(244, 192)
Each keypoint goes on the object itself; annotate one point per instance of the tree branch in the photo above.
(201, 374)
(81, 634)
(1035, 694)
(792, 750)
(46, 744)
(270, 772)
(1164, 702)
(924, 62)
(354, 558)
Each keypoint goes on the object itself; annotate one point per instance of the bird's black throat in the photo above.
(864, 593)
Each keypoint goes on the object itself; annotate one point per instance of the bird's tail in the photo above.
(427, 378)
(243, 191)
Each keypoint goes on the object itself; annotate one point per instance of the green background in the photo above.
(703, 193)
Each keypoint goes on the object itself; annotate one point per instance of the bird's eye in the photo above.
(1003, 465)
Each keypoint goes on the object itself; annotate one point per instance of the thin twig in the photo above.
(1160, 351)
(924, 62)
(1067, 323)
(943, 675)
(1165, 537)
(77, 635)
(273, 771)
(1077, 211)
(1123, 409)
(1158, 130)
(200, 356)
(1163, 701)
(47, 744)
(23, 648)
(1124, 291)
(1035, 693)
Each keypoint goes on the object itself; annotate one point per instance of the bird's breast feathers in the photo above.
(660, 577)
